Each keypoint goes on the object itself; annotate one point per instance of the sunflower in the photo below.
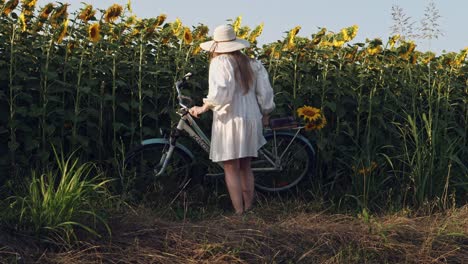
(309, 113)
(338, 43)
(243, 32)
(351, 55)
(322, 122)
(393, 40)
(112, 13)
(160, 20)
(129, 6)
(28, 7)
(131, 20)
(237, 24)
(87, 13)
(292, 36)
(60, 14)
(352, 31)
(345, 35)
(255, 33)
(407, 49)
(318, 37)
(29, 3)
(200, 33)
(460, 58)
(374, 50)
(94, 32)
(22, 20)
(63, 32)
(317, 124)
(176, 26)
(196, 50)
(187, 36)
(367, 170)
(309, 126)
(10, 6)
(46, 10)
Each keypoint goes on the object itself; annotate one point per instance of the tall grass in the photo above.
(58, 203)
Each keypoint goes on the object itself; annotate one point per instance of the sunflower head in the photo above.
(318, 124)
(237, 24)
(94, 33)
(427, 57)
(22, 20)
(200, 33)
(130, 20)
(309, 113)
(316, 38)
(46, 10)
(113, 12)
(176, 26)
(63, 31)
(406, 49)
(28, 7)
(87, 13)
(29, 3)
(243, 32)
(196, 50)
(160, 20)
(460, 57)
(393, 40)
(60, 14)
(10, 6)
(255, 33)
(187, 36)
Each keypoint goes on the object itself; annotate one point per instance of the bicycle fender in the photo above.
(299, 136)
(166, 141)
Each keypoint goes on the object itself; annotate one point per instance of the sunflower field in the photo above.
(393, 120)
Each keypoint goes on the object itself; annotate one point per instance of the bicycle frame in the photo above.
(187, 123)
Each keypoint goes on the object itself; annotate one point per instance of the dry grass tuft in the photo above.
(299, 237)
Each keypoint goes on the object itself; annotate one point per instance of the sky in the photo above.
(279, 16)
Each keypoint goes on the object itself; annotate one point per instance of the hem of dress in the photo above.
(242, 156)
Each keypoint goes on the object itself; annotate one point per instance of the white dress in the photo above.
(237, 129)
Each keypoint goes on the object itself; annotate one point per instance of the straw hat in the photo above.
(224, 40)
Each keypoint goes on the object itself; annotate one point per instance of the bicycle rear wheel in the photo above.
(143, 164)
(295, 161)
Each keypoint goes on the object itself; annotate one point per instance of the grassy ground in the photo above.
(274, 232)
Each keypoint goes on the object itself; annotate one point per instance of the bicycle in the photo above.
(282, 162)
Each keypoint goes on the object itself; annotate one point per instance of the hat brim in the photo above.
(227, 46)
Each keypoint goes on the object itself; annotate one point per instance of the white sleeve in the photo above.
(263, 90)
(221, 82)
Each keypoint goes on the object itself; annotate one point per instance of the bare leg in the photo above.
(233, 183)
(247, 182)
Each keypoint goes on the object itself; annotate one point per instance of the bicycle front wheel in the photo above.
(282, 162)
(143, 164)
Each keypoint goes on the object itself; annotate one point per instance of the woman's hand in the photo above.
(266, 120)
(198, 110)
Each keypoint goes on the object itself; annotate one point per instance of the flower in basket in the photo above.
(314, 118)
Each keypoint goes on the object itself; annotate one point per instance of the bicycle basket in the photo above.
(283, 123)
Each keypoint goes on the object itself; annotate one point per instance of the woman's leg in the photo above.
(233, 183)
(247, 182)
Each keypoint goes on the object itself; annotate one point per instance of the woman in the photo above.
(240, 96)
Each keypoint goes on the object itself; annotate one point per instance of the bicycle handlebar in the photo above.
(178, 86)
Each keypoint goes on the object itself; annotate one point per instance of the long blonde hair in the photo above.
(242, 70)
